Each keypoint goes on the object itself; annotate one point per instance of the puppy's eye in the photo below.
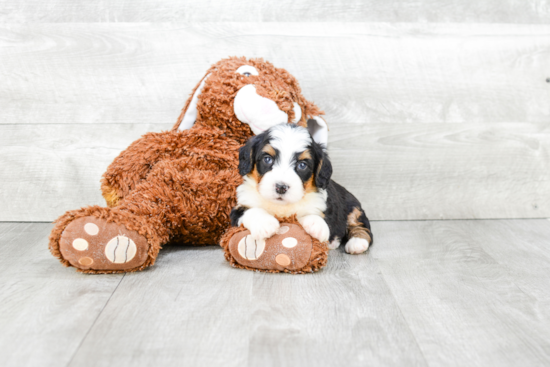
(268, 159)
(302, 165)
(246, 74)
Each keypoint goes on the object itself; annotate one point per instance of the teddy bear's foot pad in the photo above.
(91, 243)
(290, 248)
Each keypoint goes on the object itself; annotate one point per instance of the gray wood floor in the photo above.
(437, 293)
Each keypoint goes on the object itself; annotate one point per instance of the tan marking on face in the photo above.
(269, 150)
(255, 175)
(356, 228)
(309, 185)
(306, 154)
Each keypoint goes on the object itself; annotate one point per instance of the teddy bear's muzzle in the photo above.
(258, 112)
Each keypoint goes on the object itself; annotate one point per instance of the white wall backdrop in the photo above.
(438, 113)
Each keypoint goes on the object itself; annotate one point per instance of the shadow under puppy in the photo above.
(287, 173)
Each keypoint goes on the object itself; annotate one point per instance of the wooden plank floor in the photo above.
(429, 293)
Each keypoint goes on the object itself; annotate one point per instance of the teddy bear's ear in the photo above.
(318, 129)
(189, 114)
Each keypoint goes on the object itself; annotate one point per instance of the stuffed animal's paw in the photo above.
(316, 227)
(290, 249)
(93, 244)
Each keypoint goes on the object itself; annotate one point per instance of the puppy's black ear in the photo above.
(247, 153)
(323, 170)
(246, 163)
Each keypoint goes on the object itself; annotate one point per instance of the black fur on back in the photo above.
(340, 203)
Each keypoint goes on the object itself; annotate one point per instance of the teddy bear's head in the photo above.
(244, 97)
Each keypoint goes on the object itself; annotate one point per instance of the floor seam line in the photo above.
(401, 312)
(93, 323)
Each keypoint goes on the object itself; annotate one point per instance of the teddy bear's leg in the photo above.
(175, 201)
(180, 201)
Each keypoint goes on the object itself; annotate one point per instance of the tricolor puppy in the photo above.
(285, 173)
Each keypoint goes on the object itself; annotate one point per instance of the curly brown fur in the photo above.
(180, 200)
(133, 165)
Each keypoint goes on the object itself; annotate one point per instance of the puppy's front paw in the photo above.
(315, 226)
(265, 227)
(260, 224)
(357, 245)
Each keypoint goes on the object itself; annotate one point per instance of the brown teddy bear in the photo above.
(179, 185)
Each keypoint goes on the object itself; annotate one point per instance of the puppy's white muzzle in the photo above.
(293, 192)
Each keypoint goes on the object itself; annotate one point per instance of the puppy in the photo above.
(286, 172)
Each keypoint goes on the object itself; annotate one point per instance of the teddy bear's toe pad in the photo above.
(290, 248)
(92, 243)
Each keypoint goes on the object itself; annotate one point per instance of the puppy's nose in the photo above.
(281, 188)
